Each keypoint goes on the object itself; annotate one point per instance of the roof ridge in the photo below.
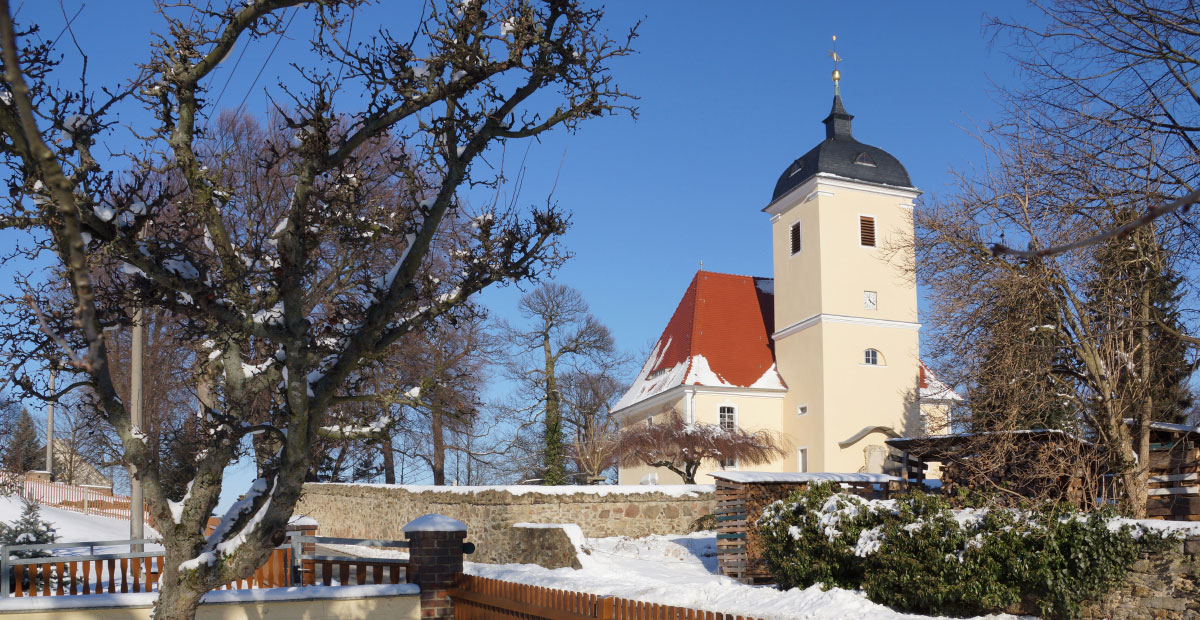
(732, 275)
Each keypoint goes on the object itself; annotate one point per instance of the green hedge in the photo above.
(916, 554)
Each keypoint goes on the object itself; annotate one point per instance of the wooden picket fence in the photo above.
(480, 598)
(88, 500)
(74, 576)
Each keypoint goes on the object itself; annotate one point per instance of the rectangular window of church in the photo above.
(870, 300)
(802, 460)
(866, 231)
(727, 418)
(795, 236)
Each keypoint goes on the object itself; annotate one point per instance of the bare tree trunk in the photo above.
(553, 453)
(1137, 479)
(178, 602)
(437, 431)
(389, 460)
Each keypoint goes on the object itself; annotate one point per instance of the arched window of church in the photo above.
(871, 357)
(864, 159)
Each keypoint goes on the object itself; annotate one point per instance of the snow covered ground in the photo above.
(75, 527)
(681, 571)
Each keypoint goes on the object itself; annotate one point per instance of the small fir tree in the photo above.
(29, 529)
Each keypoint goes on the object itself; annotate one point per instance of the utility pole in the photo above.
(50, 428)
(136, 513)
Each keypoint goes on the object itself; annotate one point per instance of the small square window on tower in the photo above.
(866, 231)
(795, 238)
(802, 409)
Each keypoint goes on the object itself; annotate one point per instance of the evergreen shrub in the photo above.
(916, 554)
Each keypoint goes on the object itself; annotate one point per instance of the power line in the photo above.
(268, 59)
(229, 78)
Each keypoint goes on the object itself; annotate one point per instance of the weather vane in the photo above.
(837, 75)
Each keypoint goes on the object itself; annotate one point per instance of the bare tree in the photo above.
(589, 395)
(1115, 65)
(560, 331)
(449, 365)
(682, 448)
(1082, 339)
(243, 256)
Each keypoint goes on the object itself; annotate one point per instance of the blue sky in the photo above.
(730, 94)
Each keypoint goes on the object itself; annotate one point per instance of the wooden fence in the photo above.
(1174, 491)
(138, 571)
(480, 598)
(87, 500)
(135, 572)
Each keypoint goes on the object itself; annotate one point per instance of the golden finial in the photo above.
(837, 75)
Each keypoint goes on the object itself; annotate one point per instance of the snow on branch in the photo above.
(1120, 232)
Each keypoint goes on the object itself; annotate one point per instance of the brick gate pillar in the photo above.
(435, 548)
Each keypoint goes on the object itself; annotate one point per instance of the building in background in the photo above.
(826, 352)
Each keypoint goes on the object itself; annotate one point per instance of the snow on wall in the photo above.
(793, 477)
(599, 490)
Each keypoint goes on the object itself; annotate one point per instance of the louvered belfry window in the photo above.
(796, 238)
(866, 231)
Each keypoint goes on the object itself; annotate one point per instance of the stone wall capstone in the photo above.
(381, 511)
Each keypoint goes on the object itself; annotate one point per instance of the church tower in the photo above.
(845, 330)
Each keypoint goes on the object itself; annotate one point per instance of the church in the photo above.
(826, 353)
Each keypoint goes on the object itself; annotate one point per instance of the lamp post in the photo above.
(50, 428)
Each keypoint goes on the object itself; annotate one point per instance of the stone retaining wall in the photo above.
(380, 511)
(1162, 584)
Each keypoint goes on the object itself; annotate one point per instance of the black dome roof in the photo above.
(844, 156)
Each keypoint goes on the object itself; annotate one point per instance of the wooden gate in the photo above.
(480, 598)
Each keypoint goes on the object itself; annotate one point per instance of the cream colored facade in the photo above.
(823, 326)
(754, 410)
(406, 607)
(836, 409)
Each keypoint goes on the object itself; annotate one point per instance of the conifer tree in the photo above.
(29, 529)
(1131, 272)
(1017, 384)
(23, 452)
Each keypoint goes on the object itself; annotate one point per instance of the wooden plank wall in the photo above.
(1175, 482)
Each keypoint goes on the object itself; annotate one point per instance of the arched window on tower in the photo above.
(872, 357)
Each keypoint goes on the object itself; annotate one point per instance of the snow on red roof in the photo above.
(719, 335)
(933, 389)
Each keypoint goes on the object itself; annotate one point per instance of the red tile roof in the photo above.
(720, 335)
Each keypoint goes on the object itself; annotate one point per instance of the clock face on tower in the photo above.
(870, 300)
